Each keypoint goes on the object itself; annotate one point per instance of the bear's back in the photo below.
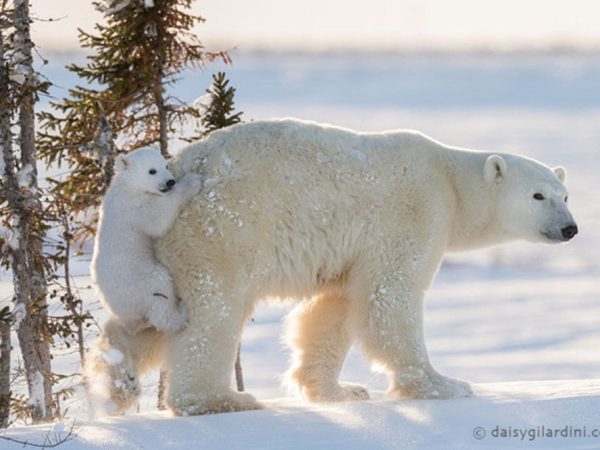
(287, 145)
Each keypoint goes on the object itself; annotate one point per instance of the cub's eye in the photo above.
(538, 196)
(566, 199)
(152, 171)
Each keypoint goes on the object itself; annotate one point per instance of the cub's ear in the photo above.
(561, 173)
(121, 163)
(494, 168)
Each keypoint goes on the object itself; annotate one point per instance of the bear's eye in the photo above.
(566, 199)
(152, 171)
(538, 196)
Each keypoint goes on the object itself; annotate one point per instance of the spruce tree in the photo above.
(134, 56)
(220, 108)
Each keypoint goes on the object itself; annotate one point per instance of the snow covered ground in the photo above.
(510, 415)
(518, 313)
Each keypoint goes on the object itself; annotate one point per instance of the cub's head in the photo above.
(532, 199)
(145, 170)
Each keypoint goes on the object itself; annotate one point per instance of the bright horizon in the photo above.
(341, 24)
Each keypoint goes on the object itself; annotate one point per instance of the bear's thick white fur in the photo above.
(352, 225)
(140, 205)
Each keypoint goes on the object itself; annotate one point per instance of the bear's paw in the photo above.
(192, 405)
(339, 393)
(429, 386)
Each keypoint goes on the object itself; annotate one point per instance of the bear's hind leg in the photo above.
(320, 340)
(117, 362)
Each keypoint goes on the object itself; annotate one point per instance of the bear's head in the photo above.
(145, 170)
(532, 199)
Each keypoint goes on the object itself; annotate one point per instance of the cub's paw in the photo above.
(168, 317)
(192, 183)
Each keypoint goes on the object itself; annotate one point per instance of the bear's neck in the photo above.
(476, 220)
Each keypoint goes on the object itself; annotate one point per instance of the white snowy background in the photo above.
(504, 318)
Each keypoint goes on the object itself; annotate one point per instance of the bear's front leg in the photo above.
(201, 357)
(394, 339)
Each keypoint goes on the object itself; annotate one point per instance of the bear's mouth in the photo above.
(165, 189)
(553, 238)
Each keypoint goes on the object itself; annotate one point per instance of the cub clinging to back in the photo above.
(141, 203)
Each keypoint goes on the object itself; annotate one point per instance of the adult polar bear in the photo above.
(355, 225)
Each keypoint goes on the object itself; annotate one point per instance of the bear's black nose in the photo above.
(569, 232)
(171, 183)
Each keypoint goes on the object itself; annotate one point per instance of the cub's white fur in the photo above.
(140, 205)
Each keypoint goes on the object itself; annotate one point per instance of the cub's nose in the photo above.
(569, 232)
(171, 183)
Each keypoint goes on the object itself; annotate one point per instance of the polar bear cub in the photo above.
(142, 202)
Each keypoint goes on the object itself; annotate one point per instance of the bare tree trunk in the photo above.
(239, 377)
(159, 90)
(5, 348)
(28, 266)
(8, 182)
(162, 384)
(105, 148)
(162, 116)
(71, 300)
(163, 139)
(5, 148)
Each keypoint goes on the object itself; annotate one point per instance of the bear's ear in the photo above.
(121, 163)
(561, 173)
(494, 168)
